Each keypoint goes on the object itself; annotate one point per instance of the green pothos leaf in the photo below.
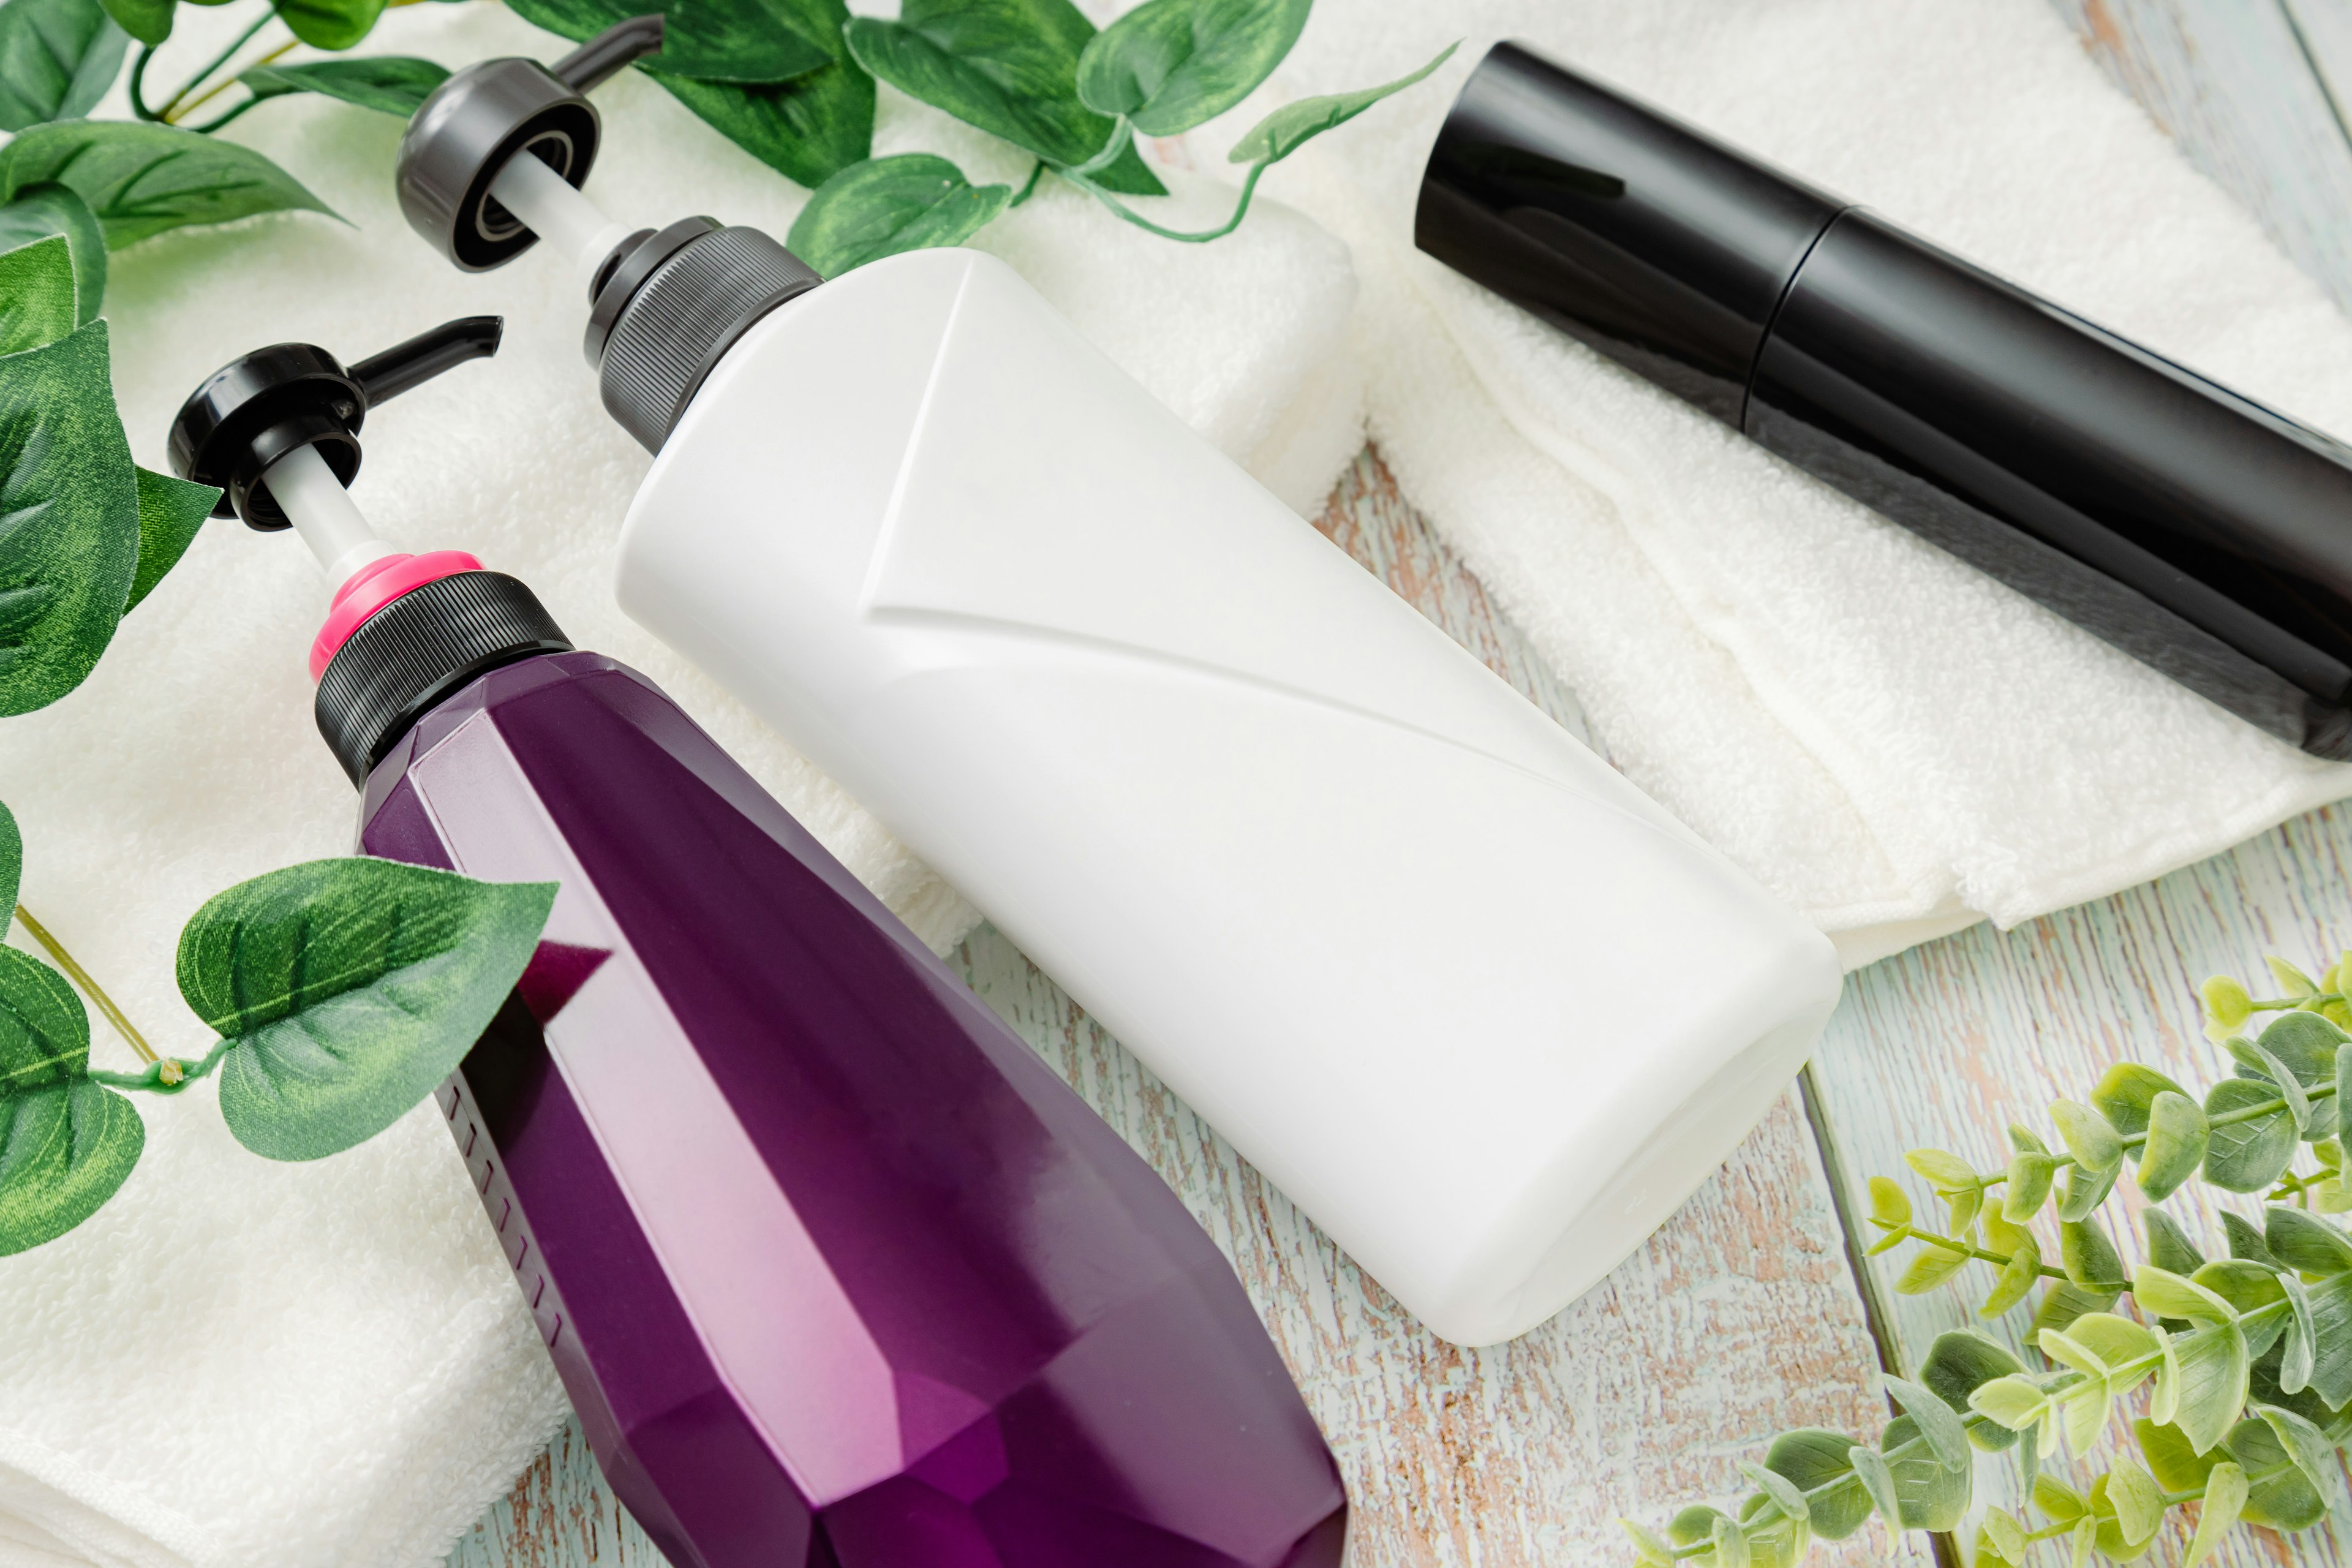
(389, 84)
(807, 129)
(148, 21)
(171, 511)
(36, 294)
(1009, 67)
(885, 206)
(58, 57)
(1170, 65)
(328, 24)
(66, 1143)
(1293, 125)
(12, 863)
(348, 989)
(41, 210)
(141, 180)
(748, 42)
(68, 518)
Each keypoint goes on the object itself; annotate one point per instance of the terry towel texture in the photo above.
(327, 1364)
(240, 1362)
(1895, 743)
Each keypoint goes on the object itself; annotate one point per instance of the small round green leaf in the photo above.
(2088, 1257)
(1930, 1494)
(1946, 1172)
(2225, 1499)
(2247, 1155)
(1170, 65)
(2310, 1450)
(389, 84)
(1929, 1268)
(1293, 125)
(1815, 1462)
(2124, 1092)
(885, 206)
(2168, 1246)
(2017, 1277)
(2028, 1188)
(2095, 1144)
(2228, 1005)
(1648, 1550)
(2177, 1138)
(350, 988)
(2085, 1190)
(1946, 1433)
(1877, 1479)
(2293, 982)
(1786, 1498)
(1889, 1205)
(2302, 1241)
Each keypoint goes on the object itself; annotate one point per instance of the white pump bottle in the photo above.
(1482, 1009)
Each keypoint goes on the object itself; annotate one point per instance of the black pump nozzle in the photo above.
(492, 111)
(256, 409)
(609, 53)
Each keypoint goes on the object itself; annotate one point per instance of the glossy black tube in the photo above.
(2189, 526)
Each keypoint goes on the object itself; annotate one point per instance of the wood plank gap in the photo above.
(2318, 70)
(1883, 1336)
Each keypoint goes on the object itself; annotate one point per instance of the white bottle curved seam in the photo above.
(1485, 1011)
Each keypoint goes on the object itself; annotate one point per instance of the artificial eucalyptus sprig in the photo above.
(2244, 1360)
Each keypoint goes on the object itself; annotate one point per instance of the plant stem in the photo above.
(189, 86)
(1984, 1253)
(1986, 1182)
(1029, 189)
(1241, 208)
(1121, 136)
(80, 976)
(226, 82)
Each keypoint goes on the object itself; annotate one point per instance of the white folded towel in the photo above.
(1895, 743)
(240, 1362)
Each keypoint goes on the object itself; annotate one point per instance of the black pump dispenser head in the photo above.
(256, 409)
(494, 161)
(405, 630)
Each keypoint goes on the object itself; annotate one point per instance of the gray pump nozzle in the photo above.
(489, 113)
(494, 161)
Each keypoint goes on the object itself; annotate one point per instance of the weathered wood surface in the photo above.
(1739, 1318)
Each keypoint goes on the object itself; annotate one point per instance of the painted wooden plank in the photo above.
(1738, 1317)
(2232, 83)
(1947, 1044)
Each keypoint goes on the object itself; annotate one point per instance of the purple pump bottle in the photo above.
(836, 1273)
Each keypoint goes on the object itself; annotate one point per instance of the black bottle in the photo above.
(2190, 526)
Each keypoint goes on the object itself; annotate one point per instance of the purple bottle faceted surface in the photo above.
(837, 1272)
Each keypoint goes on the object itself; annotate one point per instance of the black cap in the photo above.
(668, 304)
(256, 409)
(465, 133)
(1650, 240)
(421, 648)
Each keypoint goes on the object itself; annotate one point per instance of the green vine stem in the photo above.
(1201, 237)
(168, 1076)
(1030, 188)
(179, 115)
(89, 988)
(162, 114)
